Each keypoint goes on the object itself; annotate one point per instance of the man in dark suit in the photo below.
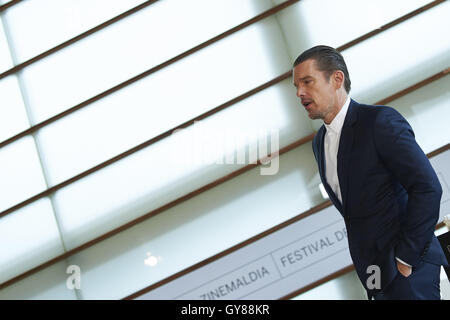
(377, 177)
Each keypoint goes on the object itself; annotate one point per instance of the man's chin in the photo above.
(313, 116)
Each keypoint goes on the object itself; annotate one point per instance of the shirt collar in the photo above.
(338, 121)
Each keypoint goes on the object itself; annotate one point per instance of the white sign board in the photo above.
(271, 267)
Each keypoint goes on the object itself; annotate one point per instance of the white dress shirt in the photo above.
(331, 146)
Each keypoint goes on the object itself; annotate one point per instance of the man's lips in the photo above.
(306, 104)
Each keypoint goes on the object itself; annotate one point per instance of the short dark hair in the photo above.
(328, 60)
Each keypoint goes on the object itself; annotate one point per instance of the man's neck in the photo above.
(337, 107)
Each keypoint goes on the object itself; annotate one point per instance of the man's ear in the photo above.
(338, 79)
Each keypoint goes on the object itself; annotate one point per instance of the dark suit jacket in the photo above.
(390, 193)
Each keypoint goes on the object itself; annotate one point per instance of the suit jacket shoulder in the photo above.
(373, 113)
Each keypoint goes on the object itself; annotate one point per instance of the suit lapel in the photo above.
(344, 152)
(321, 152)
(330, 192)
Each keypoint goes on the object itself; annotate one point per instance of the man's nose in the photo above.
(300, 92)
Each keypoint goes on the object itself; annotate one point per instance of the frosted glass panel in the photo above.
(29, 237)
(341, 22)
(153, 177)
(5, 56)
(37, 26)
(428, 111)
(163, 101)
(132, 46)
(20, 172)
(394, 60)
(48, 284)
(199, 228)
(13, 118)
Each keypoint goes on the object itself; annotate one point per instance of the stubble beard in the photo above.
(318, 114)
(314, 115)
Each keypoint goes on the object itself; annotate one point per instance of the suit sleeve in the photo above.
(402, 156)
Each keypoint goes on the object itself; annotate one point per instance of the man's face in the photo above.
(316, 92)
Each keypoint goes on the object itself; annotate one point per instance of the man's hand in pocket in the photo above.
(404, 269)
